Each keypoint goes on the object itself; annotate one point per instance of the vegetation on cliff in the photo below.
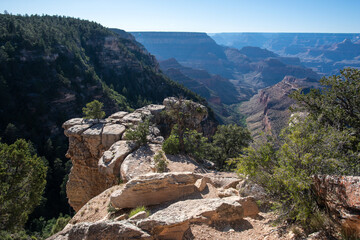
(324, 139)
(50, 67)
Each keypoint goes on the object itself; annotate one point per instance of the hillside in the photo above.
(268, 110)
(325, 53)
(50, 67)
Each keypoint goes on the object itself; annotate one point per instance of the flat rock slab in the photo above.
(101, 230)
(173, 221)
(154, 189)
(111, 133)
(139, 162)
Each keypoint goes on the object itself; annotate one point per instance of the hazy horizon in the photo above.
(209, 16)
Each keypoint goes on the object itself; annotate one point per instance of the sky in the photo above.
(210, 16)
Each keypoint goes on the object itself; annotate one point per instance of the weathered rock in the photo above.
(104, 230)
(200, 184)
(118, 115)
(154, 188)
(111, 133)
(72, 122)
(248, 188)
(111, 160)
(85, 149)
(173, 221)
(251, 209)
(341, 195)
(227, 192)
(155, 111)
(135, 117)
(139, 215)
(139, 162)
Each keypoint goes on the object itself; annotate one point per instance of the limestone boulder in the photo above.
(101, 230)
(154, 189)
(111, 160)
(72, 122)
(173, 221)
(111, 133)
(139, 162)
(118, 115)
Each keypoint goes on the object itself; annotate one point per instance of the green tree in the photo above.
(139, 133)
(325, 140)
(183, 113)
(93, 110)
(228, 142)
(22, 175)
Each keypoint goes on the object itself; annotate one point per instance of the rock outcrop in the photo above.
(102, 157)
(167, 186)
(341, 195)
(176, 202)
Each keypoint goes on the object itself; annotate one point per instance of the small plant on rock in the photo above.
(139, 133)
(111, 208)
(160, 162)
(139, 209)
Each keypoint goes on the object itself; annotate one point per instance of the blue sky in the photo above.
(209, 16)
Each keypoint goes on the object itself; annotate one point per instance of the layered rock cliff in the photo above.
(102, 157)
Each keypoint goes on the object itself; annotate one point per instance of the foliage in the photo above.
(160, 162)
(323, 141)
(19, 235)
(194, 143)
(228, 142)
(22, 175)
(93, 110)
(111, 208)
(337, 104)
(139, 133)
(183, 112)
(50, 67)
(60, 224)
(139, 209)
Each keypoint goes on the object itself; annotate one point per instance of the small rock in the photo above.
(227, 192)
(139, 215)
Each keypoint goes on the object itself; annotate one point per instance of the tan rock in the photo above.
(227, 192)
(111, 160)
(72, 122)
(173, 221)
(139, 215)
(118, 115)
(139, 162)
(105, 230)
(201, 184)
(251, 209)
(111, 133)
(153, 189)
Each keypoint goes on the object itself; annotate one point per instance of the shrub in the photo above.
(110, 208)
(93, 110)
(139, 209)
(160, 162)
(139, 133)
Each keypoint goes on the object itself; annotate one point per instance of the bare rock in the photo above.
(227, 192)
(118, 115)
(139, 215)
(111, 133)
(341, 195)
(251, 209)
(173, 221)
(101, 230)
(112, 159)
(248, 188)
(153, 189)
(139, 162)
(201, 184)
(72, 122)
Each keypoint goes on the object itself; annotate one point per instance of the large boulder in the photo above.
(173, 221)
(139, 162)
(341, 195)
(111, 160)
(105, 230)
(154, 188)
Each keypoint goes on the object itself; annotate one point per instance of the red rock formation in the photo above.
(341, 195)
